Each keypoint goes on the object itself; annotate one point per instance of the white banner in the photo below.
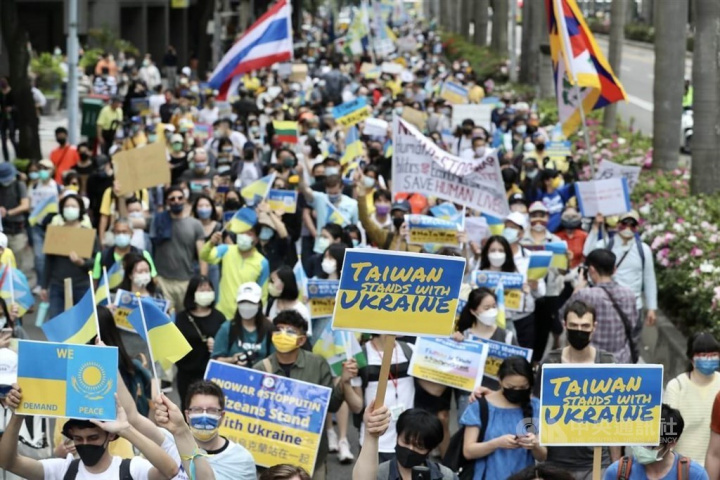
(609, 197)
(608, 169)
(478, 113)
(421, 166)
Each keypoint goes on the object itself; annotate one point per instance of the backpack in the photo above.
(72, 471)
(639, 245)
(454, 458)
(625, 467)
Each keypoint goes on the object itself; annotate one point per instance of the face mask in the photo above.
(496, 259)
(244, 242)
(177, 147)
(511, 235)
(204, 298)
(517, 397)
(399, 110)
(570, 224)
(266, 233)
(288, 162)
(3, 322)
(408, 458)
(355, 242)
(528, 147)
(334, 198)
(323, 243)
(531, 174)
(480, 151)
(34, 175)
(204, 426)
(141, 279)
(274, 291)
(231, 205)
(538, 227)
(62, 141)
(44, 174)
(706, 366)
(467, 131)
(626, 233)
(90, 455)
(177, 208)
(398, 222)
(644, 455)
(382, 209)
(71, 214)
(284, 342)
(331, 171)
(248, 310)
(204, 213)
(521, 129)
(369, 182)
(136, 215)
(329, 266)
(227, 149)
(122, 240)
(200, 166)
(488, 317)
(313, 132)
(578, 339)
(373, 152)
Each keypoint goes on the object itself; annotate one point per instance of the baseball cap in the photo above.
(403, 206)
(45, 163)
(632, 214)
(8, 172)
(8, 366)
(538, 207)
(516, 198)
(249, 292)
(517, 218)
(3, 240)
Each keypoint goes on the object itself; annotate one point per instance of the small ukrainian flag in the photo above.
(500, 300)
(495, 224)
(164, 339)
(243, 220)
(42, 210)
(76, 325)
(257, 191)
(538, 265)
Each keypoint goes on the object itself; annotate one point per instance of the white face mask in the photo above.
(627, 233)
(141, 279)
(538, 227)
(248, 310)
(204, 299)
(329, 266)
(497, 259)
(488, 317)
(511, 235)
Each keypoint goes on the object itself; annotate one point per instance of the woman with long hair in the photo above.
(138, 277)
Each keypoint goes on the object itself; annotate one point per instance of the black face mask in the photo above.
(467, 131)
(319, 179)
(578, 339)
(570, 224)
(397, 222)
(408, 458)
(84, 156)
(231, 205)
(373, 152)
(517, 397)
(90, 454)
(61, 141)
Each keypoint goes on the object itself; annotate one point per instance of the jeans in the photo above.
(37, 234)
(56, 297)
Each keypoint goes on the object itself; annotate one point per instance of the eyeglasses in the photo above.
(211, 411)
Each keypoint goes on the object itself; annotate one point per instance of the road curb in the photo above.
(637, 44)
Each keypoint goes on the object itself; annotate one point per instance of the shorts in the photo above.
(431, 403)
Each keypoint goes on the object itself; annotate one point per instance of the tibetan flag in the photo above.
(286, 132)
(538, 264)
(447, 211)
(242, 221)
(14, 288)
(42, 210)
(353, 146)
(495, 224)
(559, 251)
(165, 341)
(257, 191)
(337, 346)
(583, 77)
(500, 300)
(334, 216)
(76, 325)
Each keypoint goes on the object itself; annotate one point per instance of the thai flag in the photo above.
(267, 41)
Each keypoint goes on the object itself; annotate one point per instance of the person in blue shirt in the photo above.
(554, 194)
(659, 462)
(510, 442)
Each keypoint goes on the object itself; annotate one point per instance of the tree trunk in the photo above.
(617, 36)
(647, 11)
(706, 99)
(204, 40)
(466, 10)
(481, 22)
(534, 29)
(499, 40)
(670, 20)
(629, 11)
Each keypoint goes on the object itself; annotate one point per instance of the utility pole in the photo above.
(72, 85)
(513, 41)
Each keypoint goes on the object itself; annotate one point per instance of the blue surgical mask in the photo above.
(313, 132)
(266, 233)
(644, 455)
(334, 198)
(355, 242)
(204, 213)
(34, 175)
(44, 174)
(122, 240)
(511, 235)
(323, 243)
(706, 365)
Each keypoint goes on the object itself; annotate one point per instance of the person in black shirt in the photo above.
(198, 322)
(97, 183)
(7, 117)
(167, 108)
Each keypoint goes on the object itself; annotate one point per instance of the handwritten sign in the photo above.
(447, 362)
(352, 112)
(497, 352)
(607, 169)
(512, 283)
(321, 296)
(596, 405)
(62, 241)
(609, 197)
(425, 229)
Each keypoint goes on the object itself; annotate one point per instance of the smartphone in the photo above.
(6, 331)
(420, 472)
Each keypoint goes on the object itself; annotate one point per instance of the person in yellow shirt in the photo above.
(252, 83)
(108, 121)
(7, 257)
(109, 209)
(137, 137)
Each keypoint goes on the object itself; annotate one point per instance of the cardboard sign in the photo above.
(512, 283)
(497, 352)
(416, 117)
(478, 113)
(64, 380)
(140, 168)
(277, 419)
(298, 73)
(398, 292)
(63, 240)
(447, 362)
(321, 297)
(609, 197)
(608, 169)
(601, 404)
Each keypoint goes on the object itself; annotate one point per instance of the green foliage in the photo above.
(106, 40)
(485, 63)
(640, 32)
(90, 57)
(47, 72)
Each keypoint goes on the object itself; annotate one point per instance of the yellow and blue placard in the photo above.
(454, 93)
(350, 113)
(512, 285)
(321, 296)
(447, 362)
(126, 302)
(398, 292)
(275, 418)
(424, 229)
(603, 404)
(560, 256)
(60, 380)
(499, 351)
(538, 264)
(285, 200)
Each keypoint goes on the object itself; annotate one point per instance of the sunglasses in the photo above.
(176, 199)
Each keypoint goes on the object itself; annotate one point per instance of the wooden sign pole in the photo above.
(597, 463)
(69, 293)
(388, 348)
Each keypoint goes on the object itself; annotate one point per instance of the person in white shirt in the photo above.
(156, 100)
(149, 73)
(209, 113)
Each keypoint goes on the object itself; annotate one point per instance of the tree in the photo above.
(647, 11)
(670, 27)
(481, 22)
(16, 40)
(466, 10)
(617, 36)
(499, 36)
(534, 29)
(706, 99)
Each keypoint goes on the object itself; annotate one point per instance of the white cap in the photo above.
(186, 71)
(518, 219)
(8, 366)
(249, 292)
(3, 240)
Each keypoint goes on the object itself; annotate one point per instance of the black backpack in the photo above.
(72, 471)
(454, 458)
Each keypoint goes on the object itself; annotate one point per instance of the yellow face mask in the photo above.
(557, 182)
(285, 342)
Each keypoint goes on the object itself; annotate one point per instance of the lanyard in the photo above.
(391, 377)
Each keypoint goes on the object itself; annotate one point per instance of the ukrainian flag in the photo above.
(447, 211)
(495, 224)
(500, 300)
(559, 251)
(243, 220)
(336, 346)
(14, 288)
(42, 210)
(257, 191)
(388, 149)
(301, 279)
(353, 146)
(76, 325)
(334, 216)
(538, 265)
(167, 345)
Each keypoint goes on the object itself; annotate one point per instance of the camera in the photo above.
(420, 472)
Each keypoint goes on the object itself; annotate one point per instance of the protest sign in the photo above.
(423, 167)
(126, 302)
(285, 200)
(391, 67)
(538, 264)
(398, 292)
(476, 229)
(202, 131)
(512, 283)
(375, 127)
(277, 419)
(560, 254)
(607, 169)
(558, 152)
(321, 296)
(425, 229)
(284, 69)
(414, 116)
(497, 352)
(298, 72)
(62, 241)
(64, 380)
(454, 93)
(601, 404)
(141, 168)
(352, 112)
(447, 362)
(609, 197)
(140, 106)
(224, 109)
(478, 113)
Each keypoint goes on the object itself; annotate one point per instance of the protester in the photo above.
(108, 121)
(42, 189)
(284, 294)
